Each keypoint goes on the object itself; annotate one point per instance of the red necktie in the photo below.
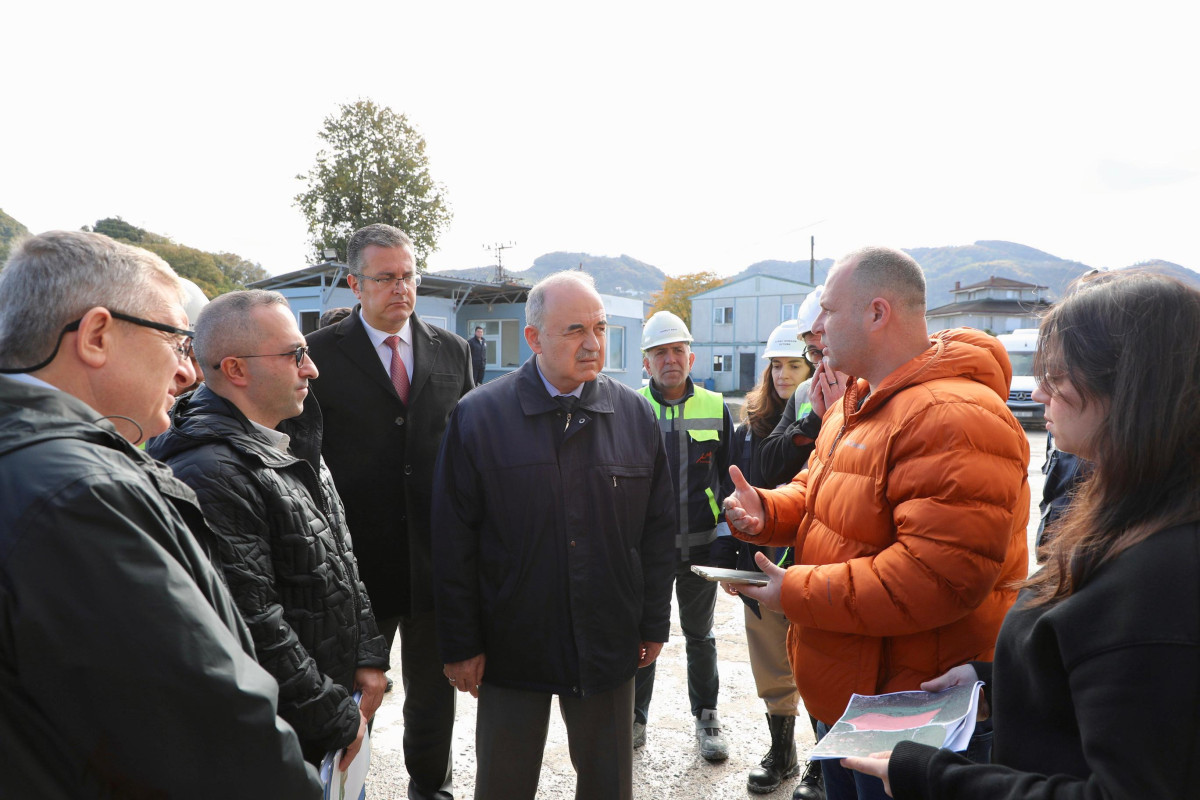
(399, 373)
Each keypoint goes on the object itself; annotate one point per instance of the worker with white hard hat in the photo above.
(785, 452)
(696, 429)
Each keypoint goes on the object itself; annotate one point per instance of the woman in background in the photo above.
(1095, 686)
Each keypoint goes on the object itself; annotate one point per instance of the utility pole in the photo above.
(812, 260)
(498, 250)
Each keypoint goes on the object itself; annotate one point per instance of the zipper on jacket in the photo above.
(836, 439)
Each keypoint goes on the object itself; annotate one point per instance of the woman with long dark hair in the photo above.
(1095, 687)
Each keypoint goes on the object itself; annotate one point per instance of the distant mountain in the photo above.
(624, 275)
(1167, 268)
(970, 264)
(10, 231)
(977, 262)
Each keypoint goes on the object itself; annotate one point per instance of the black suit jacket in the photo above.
(376, 448)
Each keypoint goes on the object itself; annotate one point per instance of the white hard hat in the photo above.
(809, 309)
(784, 342)
(193, 300)
(664, 328)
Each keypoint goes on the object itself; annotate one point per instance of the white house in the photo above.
(997, 305)
(730, 326)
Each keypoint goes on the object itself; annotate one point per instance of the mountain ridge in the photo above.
(944, 267)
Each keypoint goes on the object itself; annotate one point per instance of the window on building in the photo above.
(722, 364)
(614, 348)
(787, 312)
(503, 337)
(723, 315)
(309, 320)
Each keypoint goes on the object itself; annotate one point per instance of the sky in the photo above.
(694, 136)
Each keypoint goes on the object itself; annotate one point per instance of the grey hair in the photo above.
(54, 278)
(378, 234)
(535, 305)
(894, 271)
(225, 328)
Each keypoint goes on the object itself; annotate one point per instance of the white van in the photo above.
(1020, 345)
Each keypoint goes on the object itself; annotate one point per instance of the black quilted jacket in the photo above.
(285, 548)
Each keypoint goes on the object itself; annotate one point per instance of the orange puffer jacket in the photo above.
(915, 536)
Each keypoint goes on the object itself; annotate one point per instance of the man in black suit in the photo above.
(478, 354)
(387, 386)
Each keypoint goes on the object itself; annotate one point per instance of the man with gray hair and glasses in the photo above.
(125, 669)
(387, 386)
(250, 447)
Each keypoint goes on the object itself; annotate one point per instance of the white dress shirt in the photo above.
(384, 352)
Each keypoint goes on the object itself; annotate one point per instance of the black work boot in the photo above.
(811, 785)
(780, 761)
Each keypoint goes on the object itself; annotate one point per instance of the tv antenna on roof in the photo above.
(498, 250)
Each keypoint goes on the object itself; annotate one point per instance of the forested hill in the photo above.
(10, 231)
(214, 273)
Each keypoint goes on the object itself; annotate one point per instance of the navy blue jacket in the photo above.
(553, 552)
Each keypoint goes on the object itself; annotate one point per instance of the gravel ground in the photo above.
(669, 766)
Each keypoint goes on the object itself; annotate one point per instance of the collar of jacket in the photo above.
(531, 392)
(203, 415)
(954, 353)
(688, 391)
(33, 414)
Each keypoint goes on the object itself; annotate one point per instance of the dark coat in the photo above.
(283, 543)
(785, 451)
(554, 560)
(478, 357)
(125, 669)
(1095, 696)
(729, 551)
(376, 447)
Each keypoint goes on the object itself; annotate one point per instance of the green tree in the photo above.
(373, 168)
(676, 293)
(11, 231)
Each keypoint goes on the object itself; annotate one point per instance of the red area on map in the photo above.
(883, 722)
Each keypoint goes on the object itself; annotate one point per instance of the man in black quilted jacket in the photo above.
(250, 447)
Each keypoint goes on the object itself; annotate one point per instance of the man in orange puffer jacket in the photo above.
(909, 522)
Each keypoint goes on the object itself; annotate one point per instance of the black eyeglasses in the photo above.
(300, 353)
(813, 355)
(183, 349)
(412, 279)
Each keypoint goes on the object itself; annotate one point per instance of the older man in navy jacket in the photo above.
(554, 553)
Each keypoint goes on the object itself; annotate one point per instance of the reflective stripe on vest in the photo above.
(703, 418)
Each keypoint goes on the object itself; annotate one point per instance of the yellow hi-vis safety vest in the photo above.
(703, 419)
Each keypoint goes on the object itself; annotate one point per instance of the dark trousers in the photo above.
(510, 738)
(697, 600)
(428, 706)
